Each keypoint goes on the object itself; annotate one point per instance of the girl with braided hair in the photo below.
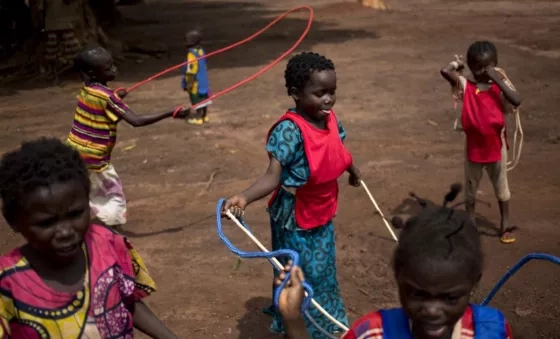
(485, 95)
(437, 265)
(307, 156)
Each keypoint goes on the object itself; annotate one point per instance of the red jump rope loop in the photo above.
(227, 48)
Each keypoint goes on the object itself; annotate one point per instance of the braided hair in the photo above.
(38, 163)
(300, 67)
(482, 49)
(439, 234)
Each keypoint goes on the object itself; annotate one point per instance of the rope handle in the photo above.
(264, 253)
(116, 92)
(177, 110)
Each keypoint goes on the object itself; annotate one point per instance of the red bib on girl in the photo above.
(317, 200)
(483, 120)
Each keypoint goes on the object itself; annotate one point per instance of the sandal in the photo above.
(195, 121)
(507, 237)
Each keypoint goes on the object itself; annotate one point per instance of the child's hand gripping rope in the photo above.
(182, 112)
(292, 295)
(121, 92)
(271, 256)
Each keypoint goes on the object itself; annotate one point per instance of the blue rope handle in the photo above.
(515, 268)
(268, 255)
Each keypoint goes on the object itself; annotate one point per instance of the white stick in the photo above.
(280, 267)
(379, 210)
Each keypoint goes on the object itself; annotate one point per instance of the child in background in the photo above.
(437, 265)
(307, 156)
(94, 132)
(195, 79)
(61, 19)
(71, 279)
(485, 96)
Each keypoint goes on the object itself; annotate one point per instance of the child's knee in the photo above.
(503, 194)
(501, 189)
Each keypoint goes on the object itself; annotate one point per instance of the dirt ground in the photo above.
(398, 114)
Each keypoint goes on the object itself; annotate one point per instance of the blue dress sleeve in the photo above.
(284, 142)
(341, 130)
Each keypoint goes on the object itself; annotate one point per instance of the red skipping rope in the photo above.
(227, 48)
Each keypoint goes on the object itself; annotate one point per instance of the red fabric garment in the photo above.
(483, 121)
(317, 201)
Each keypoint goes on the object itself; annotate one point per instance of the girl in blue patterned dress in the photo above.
(306, 160)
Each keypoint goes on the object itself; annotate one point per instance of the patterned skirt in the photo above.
(317, 253)
(106, 199)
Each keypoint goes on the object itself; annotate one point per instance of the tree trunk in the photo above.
(105, 11)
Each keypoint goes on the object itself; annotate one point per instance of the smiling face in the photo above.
(434, 297)
(54, 220)
(318, 96)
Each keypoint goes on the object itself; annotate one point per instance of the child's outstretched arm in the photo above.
(509, 93)
(136, 120)
(148, 323)
(449, 72)
(116, 109)
(264, 185)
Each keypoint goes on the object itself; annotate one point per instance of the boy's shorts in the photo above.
(106, 199)
(497, 172)
(196, 98)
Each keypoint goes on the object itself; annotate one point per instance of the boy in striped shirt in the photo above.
(94, 132)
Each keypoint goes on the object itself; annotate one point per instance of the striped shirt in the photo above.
(94, 130)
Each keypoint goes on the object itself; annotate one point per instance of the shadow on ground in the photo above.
(162, 25)
(410, 207)
(130, 234)
(255, 323)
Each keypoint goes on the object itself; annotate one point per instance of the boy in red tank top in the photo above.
(485, 96)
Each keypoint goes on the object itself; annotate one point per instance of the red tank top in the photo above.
(317, 201)
(483, 121)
